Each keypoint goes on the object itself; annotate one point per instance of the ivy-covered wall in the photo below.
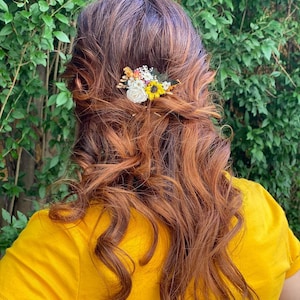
(36, 120)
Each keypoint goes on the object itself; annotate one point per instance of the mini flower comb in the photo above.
(145, 83)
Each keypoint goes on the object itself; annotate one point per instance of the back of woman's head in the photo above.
(114, 34)
(157, 33)
(165, 157)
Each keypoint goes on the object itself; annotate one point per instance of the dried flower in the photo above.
(145, 83)
(136, 94)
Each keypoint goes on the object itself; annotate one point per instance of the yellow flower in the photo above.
(154, 90)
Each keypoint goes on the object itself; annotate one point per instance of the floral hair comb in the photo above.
(145, 83)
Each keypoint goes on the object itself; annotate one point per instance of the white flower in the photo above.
(130, 81)
(137, 83)
(136, 94)
(147, 76)
(146, 73)
(166, 85)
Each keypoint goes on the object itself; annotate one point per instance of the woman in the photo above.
(156, 213)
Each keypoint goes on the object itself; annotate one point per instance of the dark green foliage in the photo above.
(13, 228)
(35, 108)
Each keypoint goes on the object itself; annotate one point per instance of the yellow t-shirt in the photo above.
(51, 260)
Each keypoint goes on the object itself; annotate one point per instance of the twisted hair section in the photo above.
(164, 158)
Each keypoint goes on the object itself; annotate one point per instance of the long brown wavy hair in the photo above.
(165, 158)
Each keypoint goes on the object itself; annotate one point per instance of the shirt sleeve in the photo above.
(268, 227)
(285, 234)
(41, 264)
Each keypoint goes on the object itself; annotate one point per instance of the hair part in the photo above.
(166, 158)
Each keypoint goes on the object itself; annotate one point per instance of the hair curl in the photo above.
(166, 158)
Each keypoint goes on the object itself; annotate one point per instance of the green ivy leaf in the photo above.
(6, 216)
(48, 21)
(207, 16)
(43, 5)
(62, 56)
(62, 98)
(61, 36)
(18, 114)
(54, 161)
(191, 2)
(62, 86)
(275, 74)
(42, 192)
(7, 17)
(62, 18)
(51, 100)
(3, 6)
(211, 19)
(25, 14)
(229, 4)
(22, 220)
(6, 30)
(267, 51)
(223, 74)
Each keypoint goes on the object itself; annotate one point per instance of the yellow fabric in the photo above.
(54, 261)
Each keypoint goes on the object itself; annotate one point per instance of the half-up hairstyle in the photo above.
(165, 158)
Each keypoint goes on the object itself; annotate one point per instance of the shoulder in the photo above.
(249, 187)
(47, 237)
(266, 234)
(34, 258)
(258, 202)
(41, 229)
(264, 219)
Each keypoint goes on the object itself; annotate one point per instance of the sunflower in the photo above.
(154, 90)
